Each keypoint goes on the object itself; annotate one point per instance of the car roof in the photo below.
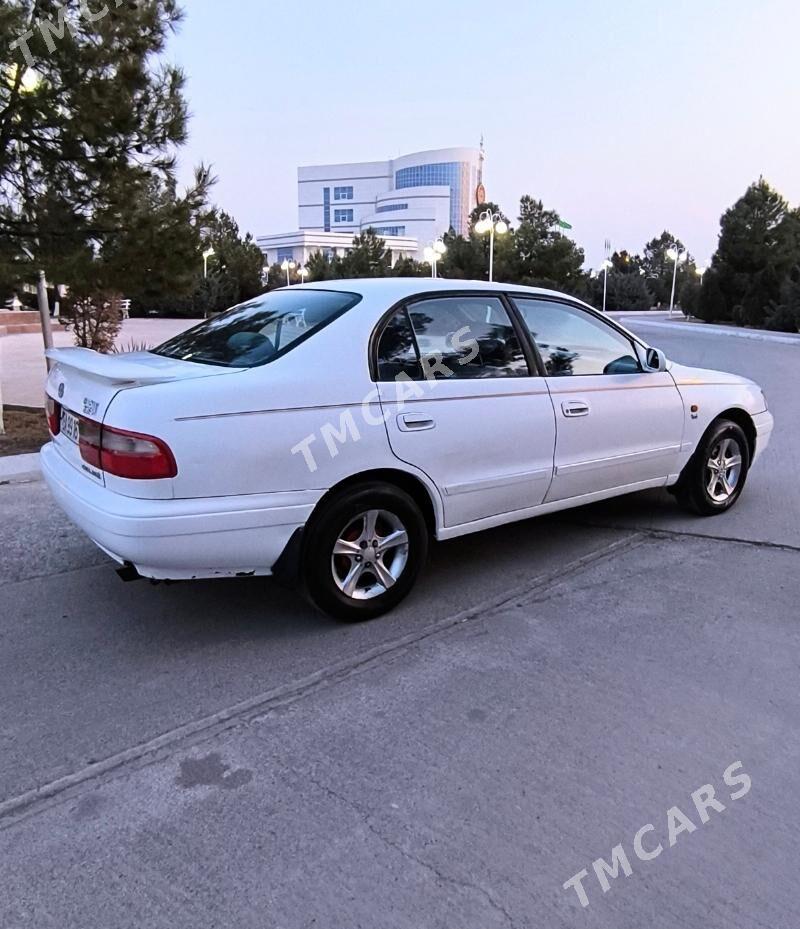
(395, 288)
(384, 292)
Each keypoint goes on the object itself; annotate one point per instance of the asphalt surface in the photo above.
(217, 754)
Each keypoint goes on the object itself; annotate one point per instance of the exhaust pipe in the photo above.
(128, 573)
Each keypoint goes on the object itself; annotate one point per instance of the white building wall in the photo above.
(374, 184)
(426, 215)
(432, 206)
(368, 181)
(300, 246)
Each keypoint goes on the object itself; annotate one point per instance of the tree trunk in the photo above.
(2, 425)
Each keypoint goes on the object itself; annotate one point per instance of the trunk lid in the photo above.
(84, 383)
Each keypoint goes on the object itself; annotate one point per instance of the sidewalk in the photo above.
(22, 365)
(15, 468)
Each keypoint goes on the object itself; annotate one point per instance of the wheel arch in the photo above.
(423, 494)
(736, 415)
(742, 418)
(287, 569)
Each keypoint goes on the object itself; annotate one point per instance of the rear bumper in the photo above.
(180, 539)
(765, 424)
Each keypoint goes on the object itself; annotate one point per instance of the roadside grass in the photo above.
(25, 433)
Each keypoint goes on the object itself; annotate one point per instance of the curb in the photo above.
(754, 335)
(18, 408)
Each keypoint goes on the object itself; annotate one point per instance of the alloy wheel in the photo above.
(370, 555)
(724, 470)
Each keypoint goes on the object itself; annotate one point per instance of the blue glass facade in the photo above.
(391, 208)
(389, 230)
(285, 254)
(452, 174)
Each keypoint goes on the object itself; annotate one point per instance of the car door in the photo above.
(617, 425)
(463, 402)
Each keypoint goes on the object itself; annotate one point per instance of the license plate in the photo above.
(69, 426)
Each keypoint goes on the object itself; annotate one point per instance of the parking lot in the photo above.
(218, 754)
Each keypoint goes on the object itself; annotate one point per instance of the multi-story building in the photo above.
(409, 201)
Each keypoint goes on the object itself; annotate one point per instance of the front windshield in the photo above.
(261, 330)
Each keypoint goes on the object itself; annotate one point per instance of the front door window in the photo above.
(573, 343)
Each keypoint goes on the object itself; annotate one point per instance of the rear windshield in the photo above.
(257, 332)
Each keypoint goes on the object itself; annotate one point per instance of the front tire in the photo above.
(364, 551)
(715, 477)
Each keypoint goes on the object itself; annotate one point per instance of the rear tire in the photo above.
(715, 477)
(364, 551)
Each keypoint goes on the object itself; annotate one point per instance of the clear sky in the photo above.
(628, 116)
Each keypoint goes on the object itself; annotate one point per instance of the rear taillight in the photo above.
(125, 454)
(53, 411)
(89, 435)
(129, 454)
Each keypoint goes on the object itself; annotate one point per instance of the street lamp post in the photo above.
(303, 272)
(208, 253)
(288, 266)
(433, 254)
(494, 224)
(679, 257)
(606, 266)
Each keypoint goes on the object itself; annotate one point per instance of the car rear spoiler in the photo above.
(113, 369)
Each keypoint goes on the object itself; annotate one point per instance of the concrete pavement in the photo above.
(19, 467)
(217, 754)
(22, 362)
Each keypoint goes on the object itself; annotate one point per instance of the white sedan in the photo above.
(325, 433)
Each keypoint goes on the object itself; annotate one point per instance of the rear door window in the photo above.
(470, 337)
(397, 350)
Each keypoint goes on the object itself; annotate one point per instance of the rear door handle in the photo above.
(415, 422)
(575, 408)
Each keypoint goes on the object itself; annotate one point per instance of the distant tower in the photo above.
(480, 193)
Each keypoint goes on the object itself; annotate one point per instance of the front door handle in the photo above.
(575, 408)
(415, 422)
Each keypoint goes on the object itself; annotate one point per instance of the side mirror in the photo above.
(655, 360)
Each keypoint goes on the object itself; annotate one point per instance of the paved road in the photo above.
(216, 754)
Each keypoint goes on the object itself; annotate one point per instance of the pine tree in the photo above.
(89, 123)
(759, 244)
(368, 257)
(237, 262)
(712, 307)
(785, 316)
(659, 268)
(544, 255)
(322, 268)
(625, 292)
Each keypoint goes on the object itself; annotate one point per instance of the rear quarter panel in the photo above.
(245, 434)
